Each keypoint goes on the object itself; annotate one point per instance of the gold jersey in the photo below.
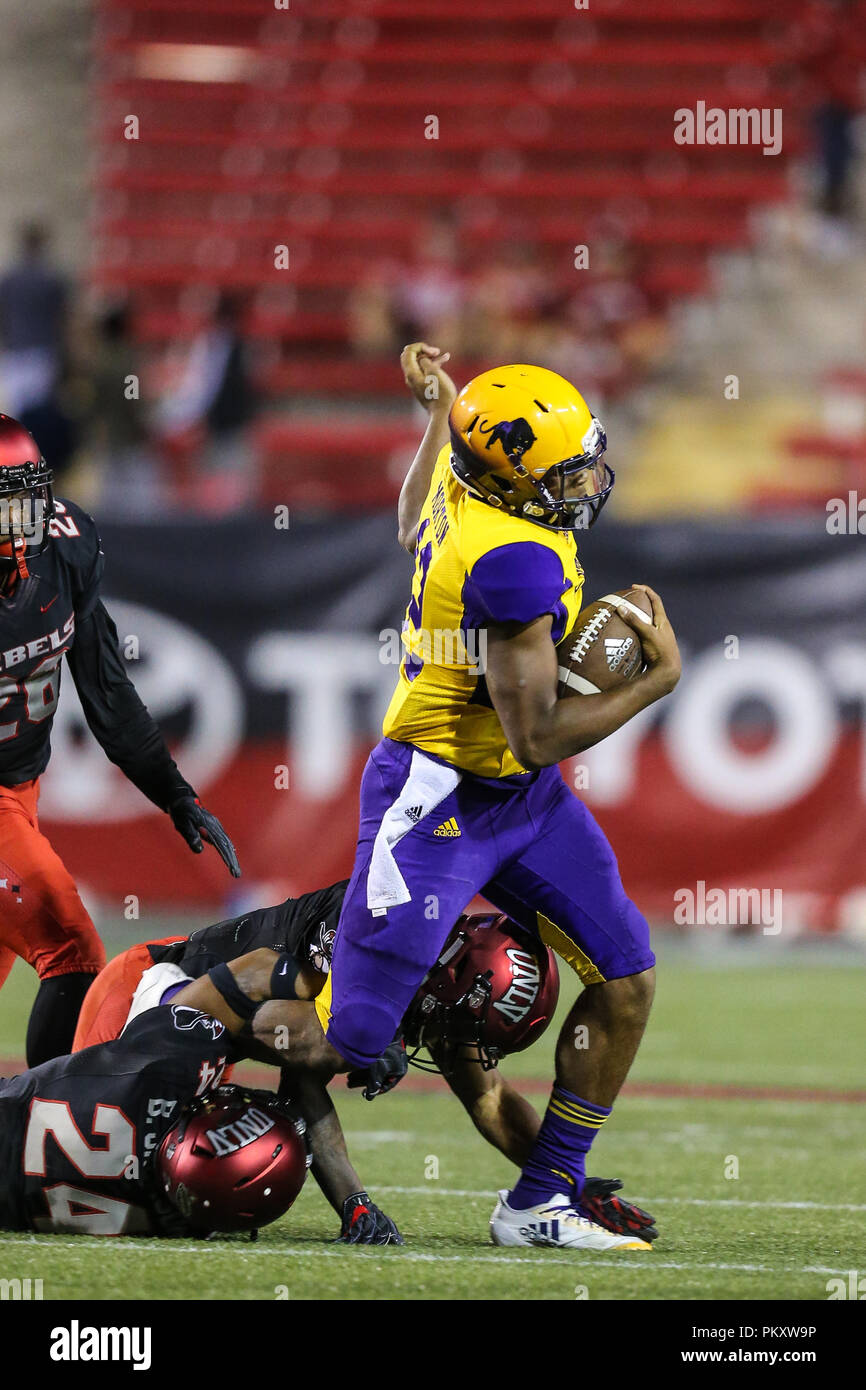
(474, 565)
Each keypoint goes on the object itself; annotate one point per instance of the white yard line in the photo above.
(622, 1262)
(432, 1188)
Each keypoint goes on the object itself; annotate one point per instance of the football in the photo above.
(602, 651)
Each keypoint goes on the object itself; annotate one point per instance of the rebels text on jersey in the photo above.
(58, 610)
(302, 927)
(77, 1133)
(37, 627)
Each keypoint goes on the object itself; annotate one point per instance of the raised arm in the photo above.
(433, 388)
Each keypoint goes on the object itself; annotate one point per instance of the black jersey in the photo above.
(302, 927)
(77, 1133)
(37, 628)
(57, 611)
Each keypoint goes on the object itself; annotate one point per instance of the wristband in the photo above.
(284, 978)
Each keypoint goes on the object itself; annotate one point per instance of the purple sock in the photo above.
(556, 1163)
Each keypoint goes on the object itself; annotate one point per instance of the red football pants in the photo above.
(42, 918)
(108, 1001)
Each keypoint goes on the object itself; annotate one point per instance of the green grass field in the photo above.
(755, 1019)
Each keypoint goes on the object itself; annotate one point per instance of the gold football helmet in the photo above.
(524, 440)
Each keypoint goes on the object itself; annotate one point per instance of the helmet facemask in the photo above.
(26, 510)
(452, 1027)
(573, 493)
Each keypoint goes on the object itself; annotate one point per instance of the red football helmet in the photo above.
(235, 1160)
(495, 987)
(26, 498)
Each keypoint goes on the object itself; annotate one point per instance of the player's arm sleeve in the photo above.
(115, 713)
(516, 583)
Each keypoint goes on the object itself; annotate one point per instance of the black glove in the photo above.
(365, 1224)
(383, 1074)
(196, 824)
(615, 1213)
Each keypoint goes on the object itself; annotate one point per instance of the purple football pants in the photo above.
(432, 837)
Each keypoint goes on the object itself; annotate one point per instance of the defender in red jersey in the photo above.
(51, 567)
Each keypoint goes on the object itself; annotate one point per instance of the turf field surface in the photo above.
(752, 1065)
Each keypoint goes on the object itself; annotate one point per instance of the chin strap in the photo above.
(20, 552)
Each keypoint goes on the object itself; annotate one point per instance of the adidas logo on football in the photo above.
(414, 813)
(449, 829)
(616, 649)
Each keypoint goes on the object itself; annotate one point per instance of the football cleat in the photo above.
(557, 1223)
(598, 1202)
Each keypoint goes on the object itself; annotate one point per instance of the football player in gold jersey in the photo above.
(510, 470)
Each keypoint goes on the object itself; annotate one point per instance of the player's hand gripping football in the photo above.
(423, 373)
(365, 1224)
(195, 824)
(659, 645)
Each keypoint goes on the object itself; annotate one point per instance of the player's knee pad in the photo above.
(361, 1029)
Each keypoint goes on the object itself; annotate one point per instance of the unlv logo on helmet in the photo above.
(494, 988)
(520, 996)
(249, 1126)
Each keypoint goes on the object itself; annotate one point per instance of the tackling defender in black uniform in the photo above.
(303, 929)
(82, 1138)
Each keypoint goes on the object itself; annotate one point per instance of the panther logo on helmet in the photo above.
(515, 436)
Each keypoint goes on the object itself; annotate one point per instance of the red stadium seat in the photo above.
(309, 131)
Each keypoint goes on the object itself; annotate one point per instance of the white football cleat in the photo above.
(556, 1222)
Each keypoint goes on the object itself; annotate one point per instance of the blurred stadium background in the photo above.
(248, 208)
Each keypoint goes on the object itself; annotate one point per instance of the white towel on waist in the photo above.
(152, 986)
(426, 786)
